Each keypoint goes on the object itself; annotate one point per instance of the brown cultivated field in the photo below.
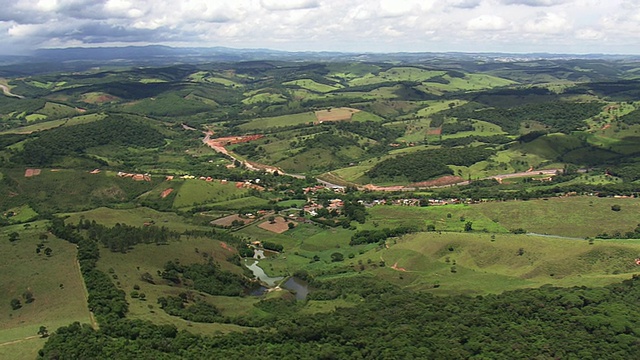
(335, 114)
(279, 226)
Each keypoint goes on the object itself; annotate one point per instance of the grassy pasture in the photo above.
(54, 305)
(133, 217)
(404, 73)
(279, 121)
(468, 83)
(67, 190)
(129, 267)
(444, 218)
(482, 264)
(56, 110)
(265, 97)
(81, 119)
(98, 98)
(199, 192)
(237, 204)
(23, 214)
(311, 85)
(579, 216)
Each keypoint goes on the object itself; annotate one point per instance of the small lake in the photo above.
(261, 275)
(298, 287)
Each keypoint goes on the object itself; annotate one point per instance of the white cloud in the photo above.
(547, 23)
(487, 22)
(589, 34)
(464, 4)
(534, 3)
(278, 5)
(354, 25)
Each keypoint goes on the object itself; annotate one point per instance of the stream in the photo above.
(297, 286)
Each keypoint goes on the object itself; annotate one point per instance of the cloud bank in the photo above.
(567, 26)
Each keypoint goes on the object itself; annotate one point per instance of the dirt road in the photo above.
(6, 91)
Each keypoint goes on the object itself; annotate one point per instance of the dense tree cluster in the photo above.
(379, 235)
(194, 310)
(456, 127)
(208, 278)
(393, 323)
(74, 140)
(562, 116)
(370, 129)
(427, 164)
(122, 237)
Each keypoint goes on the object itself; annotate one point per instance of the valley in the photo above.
(363, 194)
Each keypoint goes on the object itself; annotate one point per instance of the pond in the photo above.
(260, 274)
(298, 287)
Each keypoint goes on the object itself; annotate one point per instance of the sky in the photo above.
(513, 26)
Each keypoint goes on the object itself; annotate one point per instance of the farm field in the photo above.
(279, 121)
(128, 268)
(201, 192)
(59, 298)
(133, 217)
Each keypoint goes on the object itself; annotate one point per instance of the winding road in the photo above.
(256, 167)
(7, 92)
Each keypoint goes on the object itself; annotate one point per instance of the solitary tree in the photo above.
(28, 296)
(468, 226)
(336, 256)
(14, 236)
(43, 332)
(15, 304)
(48, 251)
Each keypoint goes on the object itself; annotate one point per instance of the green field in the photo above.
(201, 192)
(133, 217)
(311, 85)
(59, 297)
(484, 263)
(444, 218)
(583, 216)
(396, 74)
(150, 258)
(22, 214)
(279, 121)
(81, 119)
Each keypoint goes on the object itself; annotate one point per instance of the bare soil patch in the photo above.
(226, 246)
(441, 181)
(335, 114)
(166, 193)
(436, 131)
(279, 226)
(32, 172)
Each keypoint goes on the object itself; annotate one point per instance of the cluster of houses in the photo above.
(135, 177)
(239, 184)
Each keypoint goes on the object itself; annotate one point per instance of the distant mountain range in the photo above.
(164, 54)
(79, 57)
